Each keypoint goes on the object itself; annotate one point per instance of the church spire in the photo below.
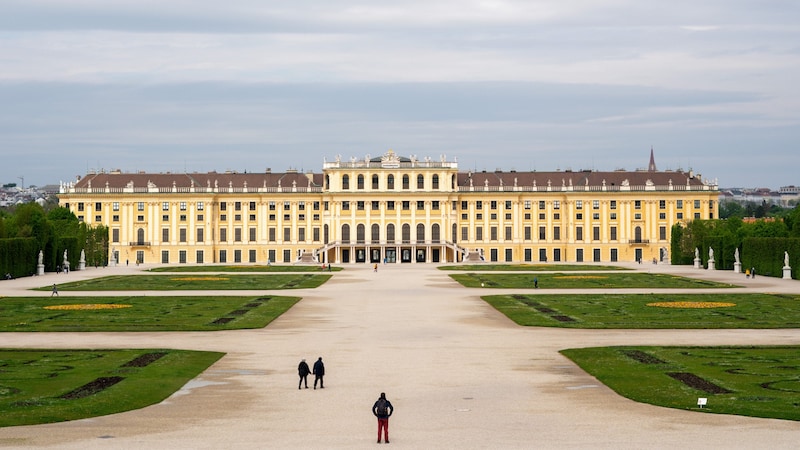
(652, 166)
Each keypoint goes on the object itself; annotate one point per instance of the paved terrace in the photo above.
(460, 375)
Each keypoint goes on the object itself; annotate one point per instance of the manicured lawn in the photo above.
(747, 381)
(151, 313)
(43, 386)
(583, 280)
(632, 310)
(245, 268)
(193, 282)
(531, 267)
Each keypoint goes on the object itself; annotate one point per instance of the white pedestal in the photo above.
(81, 265)
(737, 267)
(712, 264)
(787, 273)
(697, 263)
(40, 269)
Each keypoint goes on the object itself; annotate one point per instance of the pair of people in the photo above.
(319, 372)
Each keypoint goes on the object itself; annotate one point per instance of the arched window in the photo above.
(360, 182)
(435, 181)
(435, 233)
(420, 232)
(360, 232)
(345, 181)
(453, 182)
(406, 233)
(376, 232)
(346, 234)
(140, 236)
(405, 181)
(327, 181)
(325, 236)
(375, 182)
(390, 182)
(454, 233)
(637, 234)
(390, 233)
(420, 182)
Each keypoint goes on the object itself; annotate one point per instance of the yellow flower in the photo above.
(88, 306)
(691, 304)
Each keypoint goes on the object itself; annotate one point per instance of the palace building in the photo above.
(390, 209)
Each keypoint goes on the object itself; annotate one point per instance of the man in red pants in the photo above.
(383, 409)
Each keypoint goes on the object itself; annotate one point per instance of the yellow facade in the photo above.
(390, 209)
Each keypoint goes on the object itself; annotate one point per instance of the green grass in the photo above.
(151, 313)
(763, 381)
(625, 311)
(583, 280)
(32, 382)
(194, 282)
(531, 267)
(245, 268)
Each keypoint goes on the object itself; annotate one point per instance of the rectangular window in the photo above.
(252, 206)
(542, 233)
(200, 206)
(360, 205)
(680, 216)
(556, 233)
(508, 204)
(199, 256)
(527, 204)
(578, 204)
(637, 216)
(199, 217)
(493, 216)
(287, 256)
(165, 218)
(140, 218)
(97, 218)
(420, 205)
(315, 234)
(662, 204)
(464, 216)
(679, 204)
(527, 233)
(493, 204)
(287, 206)
(613, 216)
(595, 204)
(182, 256)
(237, 256)
(406, 205)
(286, 217)
(223, 234)
(271, 255)
(287, 234)
(251, 256)
(115, 218)
(435, 205)
(662, 216)
(345, 206)
(697, 215)
(252, 234)
(98, 207)
(662, 233)
(596, 216)
(508, 216)
(637, 204)
(376, 205)
(115, 206)
(115, 235)
(542, 216)
(252, 217)
(508, 233)
(272, 206)
(237, 206)
(272, 217)
(578, 233)
(579, 216)
(182, 235)
(697, 204)
(182, 206)
(479, 204)
(223, 206)
(315, 206)
(200, 235)
(390, 205)
(613, 233)
(464, 205)
(272, 234)
(182, 218)
(164, 256)
(528, 255)
(237, 235)
(479, 216)
(595, 233)
(165, 235)
(509, 255)
(556, 216)
(478, 233)
(493, 233)
(464, 233)
(301, 234)
(613, 204)
(140, 206)
(541, 204)
(315, 217)
(165, 206)
(223, 217)
(556, 204)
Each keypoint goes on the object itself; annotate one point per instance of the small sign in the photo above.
(702, 401)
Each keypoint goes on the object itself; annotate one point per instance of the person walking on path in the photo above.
(319, 372)
(55, 291)
(383, 409)
(303, 370)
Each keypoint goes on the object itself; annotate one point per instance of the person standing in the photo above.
(319, 372)
(55, 291)
(303, 370)
(383, 409)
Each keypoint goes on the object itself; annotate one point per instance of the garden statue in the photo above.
(696, 253)
(736, 255)
(41, 257)
(785, 259)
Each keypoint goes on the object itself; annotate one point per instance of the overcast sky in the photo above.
(200, 85)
